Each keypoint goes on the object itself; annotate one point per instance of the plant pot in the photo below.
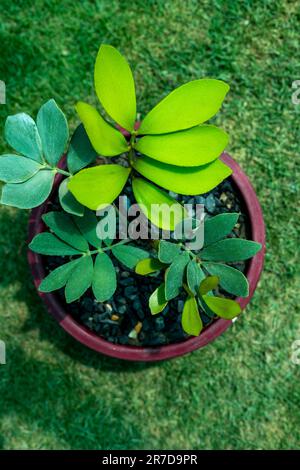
(156, 353)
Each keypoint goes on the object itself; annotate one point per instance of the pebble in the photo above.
(210, 203)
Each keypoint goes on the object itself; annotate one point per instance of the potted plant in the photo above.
(166, 282)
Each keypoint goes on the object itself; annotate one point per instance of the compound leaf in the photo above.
(63, 226)
(104, 278)
(58, 277)
(224, 308)
(129, 255)
(218, 227)
(230, 279)
(21, 134)
(230, 250)
(80, 279)
(48, 244)
(17, 169)
(191, 321)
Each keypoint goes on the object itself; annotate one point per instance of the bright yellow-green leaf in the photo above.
(208, 284)
(105, 139)
(193, 147)
(188, 105)
(148, 266)
(191, 321)
(115, 86)
(163, 211)
(224, 308)
(183, 180)
(99, 185)
(157, 300)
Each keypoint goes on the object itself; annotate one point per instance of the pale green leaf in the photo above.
(193, 147)
(54, 131)
(80, 152)
(230, 250)
(194, 276)
(183, 180)
(148, 266)
(218, 227)
(167, 251)
(230, 279)
(191, 321)
(58, 277)
(129, 255)
(104, 278)
(224, 308)
(68, 201)
(98, 186)
(105, 139)
(31, 193)
(158, 206)
(48, 244)
(114, 86)
(157, 300)
(80, 279)
(17, 169)
(174, 276)
(63, 226)
(21, 133)
(208, 284)
(186, 106)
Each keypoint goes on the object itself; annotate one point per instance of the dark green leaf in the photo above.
(81, 152)
(129, 255)
(54, 132)
(88, 227)
(68, 201)
(191, 321)
(232, 280)
(48, 244)
(16, 169)
(224, 308)
(80, 279)
(230, 250)
(174, 276)
(31, 193)
(219, 227)
(58, 278)
(104, 279)
(63, 226)
(168, 251)
(157, 300)
(22, 134)
(194, 276)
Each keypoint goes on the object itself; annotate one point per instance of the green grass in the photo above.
(242, 391)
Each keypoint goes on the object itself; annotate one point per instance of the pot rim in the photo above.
(155, 353)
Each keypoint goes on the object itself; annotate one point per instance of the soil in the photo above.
(126, 318)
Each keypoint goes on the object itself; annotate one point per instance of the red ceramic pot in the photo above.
(156, 353)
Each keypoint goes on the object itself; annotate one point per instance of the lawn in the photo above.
(240, 392)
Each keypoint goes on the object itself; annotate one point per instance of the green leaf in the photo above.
(224, 308)
(58, 278)
(186, 106)
(194, 276)
(48, 244)
(183, 180)
(193, 147)
(208, 284)
(114, 86)
(230, 279)
(99, 185)
(104, 279)
(219, 227)
(80, 279)
(21, 133)
(174, 276)
(191, 321)
(157, 301)
(129, 255)
(88, 227)
(68, 201)
(54, 132)
(63, 226)
(17, 169)
(105, 139)
(230, 250)
(148, 266)
(31, 193)
(167, 251)
(81, 152)
(158, 206)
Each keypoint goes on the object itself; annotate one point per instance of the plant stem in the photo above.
(107, 248)
(63, 172)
